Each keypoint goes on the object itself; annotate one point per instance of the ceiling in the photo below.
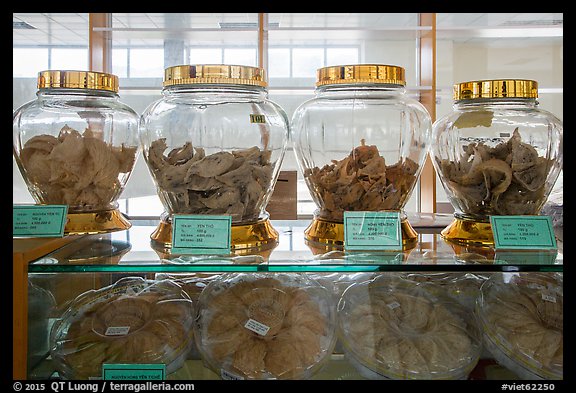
(71, 29)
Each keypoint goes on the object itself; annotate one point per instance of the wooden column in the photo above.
(263, 41)
(24, 251)
(427, 54)
(100, 42)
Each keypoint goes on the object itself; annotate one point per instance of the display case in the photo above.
(61, 278)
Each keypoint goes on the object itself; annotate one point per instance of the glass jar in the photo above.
(214, 144)
(76, 144)
(496, 154)
(360, 144)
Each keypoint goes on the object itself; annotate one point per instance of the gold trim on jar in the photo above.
(497, 88)
(69, 79)
(361, 73)
(214, 74)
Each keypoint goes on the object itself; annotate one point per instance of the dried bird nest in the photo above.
(398, 329)
(234, 183)
(507, 179)
(523, 318)
(361, 182)
(131, 321)
(75, 169)
(259, 327)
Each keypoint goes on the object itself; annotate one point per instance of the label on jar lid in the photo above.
(134, 372)
(523, 233)
(372, 231)
(38, 220)
(201, 234)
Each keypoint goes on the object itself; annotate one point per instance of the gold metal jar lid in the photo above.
(497, 88)
(361, 73)
(70, 79)
(214, 74)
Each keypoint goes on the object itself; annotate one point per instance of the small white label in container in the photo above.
(117, 330)
(393, 305)
(257, 327)
(549, 298)
(228, 376)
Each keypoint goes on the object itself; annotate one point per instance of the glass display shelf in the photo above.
(337, 367)
(132, 250)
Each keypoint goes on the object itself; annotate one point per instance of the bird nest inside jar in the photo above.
(233, 182)
(361, 182)
(507, 179)
(76, 169)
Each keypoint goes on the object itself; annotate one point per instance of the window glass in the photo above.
(279, 63)
(69, 59)
(305, 61)
(26, 62)
(146, 63)
(240, 56)
(205, 56)
(120, 62)
(340, 56)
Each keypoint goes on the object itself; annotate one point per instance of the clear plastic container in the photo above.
(214, 144)
(393, 328)
(361, 143)
(41, 308)
(262, 326)
(522, 319)
(463, 288)
(132, 321)
(496, 153)
(76, 144)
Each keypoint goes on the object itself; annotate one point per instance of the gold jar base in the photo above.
(95, 222)
(467, 232)
(257, 235)
(323, 235)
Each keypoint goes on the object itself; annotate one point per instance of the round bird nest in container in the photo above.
(257, 326)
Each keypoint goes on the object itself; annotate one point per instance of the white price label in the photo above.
(228, 376)
(549, 298)
(256, 327)
(117, 330)
(393, 305)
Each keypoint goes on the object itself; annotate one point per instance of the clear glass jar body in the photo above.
(497, 156)
(360, 147)
(76, 147)
(214, 149)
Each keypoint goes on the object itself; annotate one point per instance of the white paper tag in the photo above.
(549, 298)
(228, 376)
(256, 327)
(393, 305)
(117, 330)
